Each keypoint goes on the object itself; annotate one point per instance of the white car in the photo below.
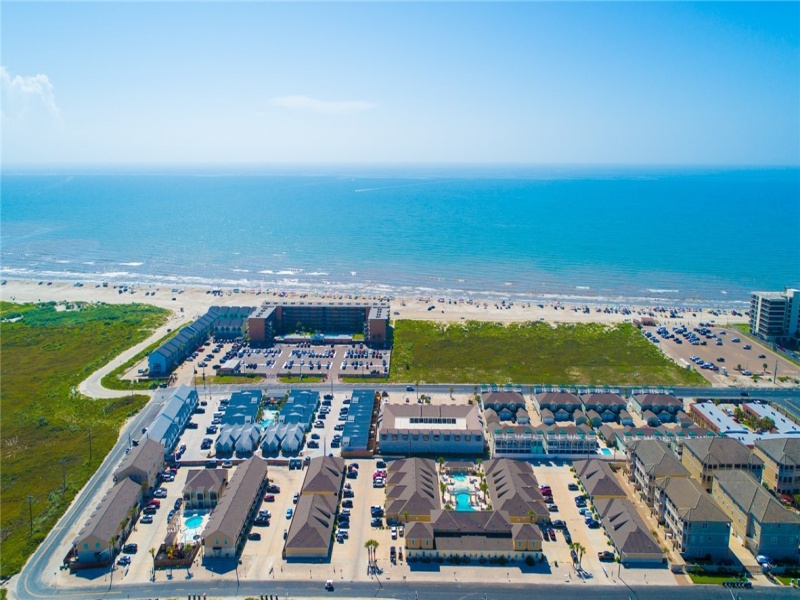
(394, 533)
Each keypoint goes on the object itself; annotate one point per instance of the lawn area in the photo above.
(713, 578)
(479, 352)
(303, 379)
(47, 424)
(226, 379)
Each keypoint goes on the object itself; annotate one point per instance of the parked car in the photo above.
(559, 524)
(146, 519)
(273, 489)
(160, 493)
(573, 487)
(226, 464)
(269, 498)
(295, 498)
(394, 533)
(347, 503)
(254, 535)
(124, 560)
(552, 507)
(606, 556)
(130, 548)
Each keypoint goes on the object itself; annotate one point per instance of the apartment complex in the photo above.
(775, 316)
(311, 530)
(412, 489)
(203, 488)
(700, 529)
(477, 534)
(629, 534)
(142, 464)
(781, 457)
(649, 461)
(703, 457)
(598, 480)
(224, 534)
(759, 521)
(513, 489)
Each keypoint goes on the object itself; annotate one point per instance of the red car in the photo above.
(269, 498)
(154, 502)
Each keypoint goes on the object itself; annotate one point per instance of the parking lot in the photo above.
(330, 361)
(726, 356)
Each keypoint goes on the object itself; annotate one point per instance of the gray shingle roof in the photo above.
(230, 515)
(657, 458)
(143, 457)
(626, 528)
(413, 486)
(513, 487)
(781, 450)
(312, 523)
(717, 451)
(113, 510)
(597, 478)
(692, 502)
(324, 475)
(747, 492)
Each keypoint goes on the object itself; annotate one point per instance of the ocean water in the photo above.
(664, 235)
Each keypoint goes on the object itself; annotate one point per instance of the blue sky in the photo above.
(597, 83)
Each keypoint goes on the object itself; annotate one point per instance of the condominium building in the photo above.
(759, 521)
(705, 456)
(649, 461)
(775, 316)
(413, 429)
(781, 458)
(700, 529)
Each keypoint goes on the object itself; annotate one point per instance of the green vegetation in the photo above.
(226, 379)
(48, 427)
(786, 578)
(531, 353)
(112, 381)
(755, 423)
(710, 578)
(362, 379)
(302, 379)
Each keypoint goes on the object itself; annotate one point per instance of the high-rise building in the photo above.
(775, 316)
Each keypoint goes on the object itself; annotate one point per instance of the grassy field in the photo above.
(303, 379)
(712, 578)
(46, 423)
(478, 352)
(227, 379)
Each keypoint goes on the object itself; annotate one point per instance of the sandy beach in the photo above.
(194, 301)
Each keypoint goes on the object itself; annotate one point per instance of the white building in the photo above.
(414, 429)
(775, 316)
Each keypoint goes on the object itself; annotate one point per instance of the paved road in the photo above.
(92, 387)
(409, 591)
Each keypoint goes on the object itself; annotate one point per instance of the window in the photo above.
(85, 546)
(97, 544)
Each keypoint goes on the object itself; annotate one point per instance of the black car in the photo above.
(347, 504)
(606, 556)
(254, 535)
(349, 494)
(573, 487)
(273, 489)
(377, 522)
(567, 537)
(130, 548)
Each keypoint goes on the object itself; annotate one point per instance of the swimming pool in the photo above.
(462, 502)
(268, 417)
(461, 477)
(605, 451)
(193, 525)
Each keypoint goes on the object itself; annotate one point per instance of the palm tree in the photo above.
(405, 516)
(532, 515)
(372, 549)
(579, 550)
(484, 487)
(440, 460)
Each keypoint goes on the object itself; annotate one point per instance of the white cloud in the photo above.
(25, 94)
(322, 106)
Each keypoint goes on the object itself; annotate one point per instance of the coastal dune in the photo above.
(194, 301)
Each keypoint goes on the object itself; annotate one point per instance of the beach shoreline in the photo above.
(194, 300)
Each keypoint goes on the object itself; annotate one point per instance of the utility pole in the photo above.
(775, 372)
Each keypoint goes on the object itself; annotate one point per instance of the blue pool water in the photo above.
(605, 451)
(460, 478)
(268, 418)
(194, 522)
(462, 502)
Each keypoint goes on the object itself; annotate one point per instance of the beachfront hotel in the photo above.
(326, 318)
(775, 316)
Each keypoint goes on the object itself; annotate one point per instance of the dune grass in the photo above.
(227, 379)
(535, 352)
(303, 379)
(46, 423)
